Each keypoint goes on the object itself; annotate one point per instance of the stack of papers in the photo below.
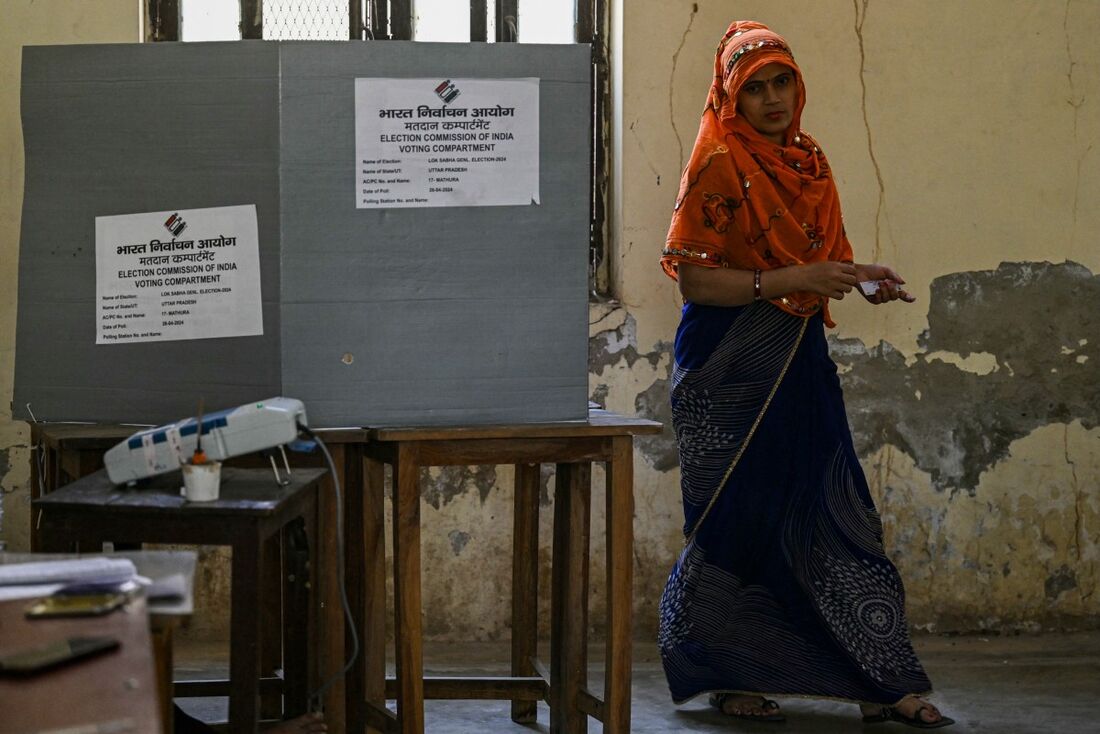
(68, 571)
(165, 575)
(41, 578)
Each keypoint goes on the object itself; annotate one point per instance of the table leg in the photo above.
(353, 580)
(244, 643)
(160, 634)
(332, 610)
(317, 566)
(620, 570)
(272, 621)
(372, 627)
(525, 583)
(569, 597)
(296, 568)
(406, 591)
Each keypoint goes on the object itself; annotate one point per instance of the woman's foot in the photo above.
(746, 707)
(911, 710)
(312, 723)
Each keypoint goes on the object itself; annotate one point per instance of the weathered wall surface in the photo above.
(965, 140)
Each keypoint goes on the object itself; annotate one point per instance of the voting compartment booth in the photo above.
(393, 233)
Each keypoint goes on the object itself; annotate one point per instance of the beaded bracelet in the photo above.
(756, 295)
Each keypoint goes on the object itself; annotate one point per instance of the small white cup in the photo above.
(201, 481)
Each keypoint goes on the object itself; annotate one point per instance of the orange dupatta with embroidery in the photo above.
(746, 202)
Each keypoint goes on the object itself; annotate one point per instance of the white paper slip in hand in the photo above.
(869, 287)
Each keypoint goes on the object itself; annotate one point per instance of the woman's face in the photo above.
(767, 100)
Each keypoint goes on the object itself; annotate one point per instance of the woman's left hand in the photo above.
(890, 283)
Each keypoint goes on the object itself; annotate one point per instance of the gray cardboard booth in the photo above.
(427, 315)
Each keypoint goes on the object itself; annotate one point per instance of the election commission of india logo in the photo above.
(447, 91)
(175, 224)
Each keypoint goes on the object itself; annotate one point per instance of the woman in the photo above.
(783, 587)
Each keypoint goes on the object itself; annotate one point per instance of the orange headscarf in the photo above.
(746, 202)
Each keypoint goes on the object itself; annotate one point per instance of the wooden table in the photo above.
(116, 687)
(64, 452)
(251, 509)
(572, 447)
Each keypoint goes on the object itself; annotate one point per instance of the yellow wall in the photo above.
(32, 23)
(963, 136)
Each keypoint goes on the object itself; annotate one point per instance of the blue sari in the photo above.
(783, 587)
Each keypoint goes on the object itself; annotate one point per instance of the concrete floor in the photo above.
(1000, 685)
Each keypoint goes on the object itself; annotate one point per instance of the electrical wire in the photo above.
(317, 695)
(40, 458)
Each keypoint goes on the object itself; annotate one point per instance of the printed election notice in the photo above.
(183, 274)
(446, 142)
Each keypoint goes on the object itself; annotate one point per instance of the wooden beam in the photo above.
(379, 717)
(372, 569)
(355, 562)
(615, 709)
(589, 703)
(408, 621)
(465, 453)
(502, 688)
(219, 687)
(525, 582)
(332, 645)
(541, 669)
(569, 597)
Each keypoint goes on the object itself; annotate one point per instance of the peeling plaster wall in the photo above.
(965, 142)
(957, 423)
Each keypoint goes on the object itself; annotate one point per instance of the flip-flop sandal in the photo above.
(769, 708)
(889, 713)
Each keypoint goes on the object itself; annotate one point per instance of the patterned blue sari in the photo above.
(783, 587)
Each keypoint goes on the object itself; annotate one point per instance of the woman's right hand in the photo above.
(828, 278)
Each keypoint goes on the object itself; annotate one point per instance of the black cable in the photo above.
(320, 692)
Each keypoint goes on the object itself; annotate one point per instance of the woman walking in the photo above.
(783, 587)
